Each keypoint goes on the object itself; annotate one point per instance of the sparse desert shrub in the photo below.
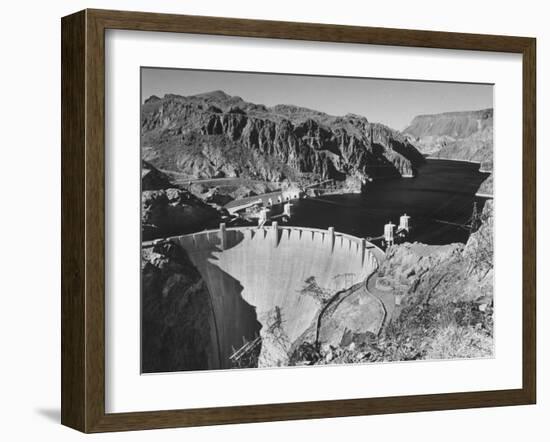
(307, 353)
(454, 342)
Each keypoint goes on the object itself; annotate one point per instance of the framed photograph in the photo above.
(267, 220)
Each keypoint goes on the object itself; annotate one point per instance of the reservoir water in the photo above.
(442, 191)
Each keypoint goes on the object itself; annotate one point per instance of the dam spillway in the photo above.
(255, 274)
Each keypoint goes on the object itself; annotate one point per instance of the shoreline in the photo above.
(347, 191)
(484, 195)
(479, 163)
(456, 161)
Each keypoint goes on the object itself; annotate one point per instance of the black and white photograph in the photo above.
(275, 221)
(296, 220)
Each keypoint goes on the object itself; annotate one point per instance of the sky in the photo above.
(391, 102)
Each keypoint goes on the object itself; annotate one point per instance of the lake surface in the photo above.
(442, 191)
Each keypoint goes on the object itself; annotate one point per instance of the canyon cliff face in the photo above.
(456, 136)
(215, 135)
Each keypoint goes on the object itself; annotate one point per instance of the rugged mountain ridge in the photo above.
(217, 135)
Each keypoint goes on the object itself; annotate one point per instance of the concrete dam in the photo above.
(258, 281)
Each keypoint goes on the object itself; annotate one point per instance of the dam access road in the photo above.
(266, 282)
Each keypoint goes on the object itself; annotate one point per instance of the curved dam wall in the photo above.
(257, 276)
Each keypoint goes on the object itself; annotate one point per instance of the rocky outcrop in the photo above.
(216, 135)
(168, 212)
(456, 136)
(445, 295)
(414, 267)
(152, 178)
(486, 187)
(178, 327)
(221, 194)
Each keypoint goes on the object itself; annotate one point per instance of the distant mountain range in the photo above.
(457, 136)
(215, 135)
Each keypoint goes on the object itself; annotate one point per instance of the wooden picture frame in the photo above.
(83, 220)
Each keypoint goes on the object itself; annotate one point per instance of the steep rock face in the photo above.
(456, 136)
(215, 135)
(178, 327)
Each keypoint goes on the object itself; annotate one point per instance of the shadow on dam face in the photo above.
(245, 279)
(235, 320)
(184, 327)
